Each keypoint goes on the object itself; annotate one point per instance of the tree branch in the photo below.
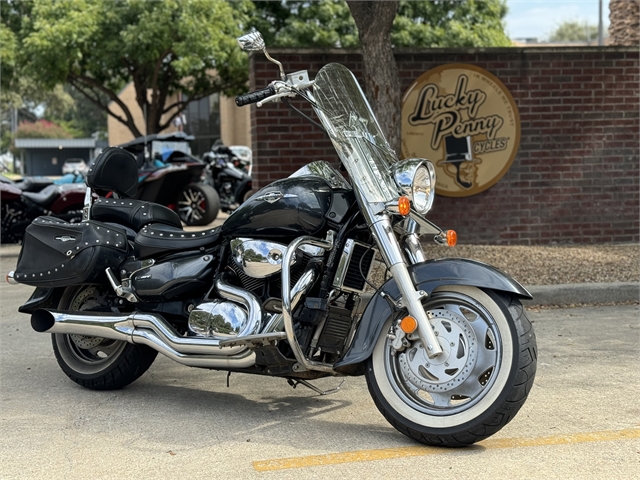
(76, 80)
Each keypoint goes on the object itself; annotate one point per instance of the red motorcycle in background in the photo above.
(20, 207)
(170, 175)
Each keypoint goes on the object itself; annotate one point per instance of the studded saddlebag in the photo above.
(57, 254)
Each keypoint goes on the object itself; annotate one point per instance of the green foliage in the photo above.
(164, 47)
(574, 32)
(82, 119)
(323, 23)
(41, 129)
(443, 23)
(435, 23)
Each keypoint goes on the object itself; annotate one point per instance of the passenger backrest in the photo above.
(115, 170)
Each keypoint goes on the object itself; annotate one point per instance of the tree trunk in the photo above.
(624, 25)
(382, 84)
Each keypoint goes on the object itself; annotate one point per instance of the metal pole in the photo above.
(600, 37)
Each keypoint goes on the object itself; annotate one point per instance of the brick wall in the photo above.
(576, 176)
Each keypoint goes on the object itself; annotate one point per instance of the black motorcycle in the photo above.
(229, 175)
(285, 286)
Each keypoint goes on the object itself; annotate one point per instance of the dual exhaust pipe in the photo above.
(153, 330)
(145, 329)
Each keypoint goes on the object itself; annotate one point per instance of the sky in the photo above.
(539, 18)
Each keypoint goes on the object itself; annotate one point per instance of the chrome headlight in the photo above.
(416, 177)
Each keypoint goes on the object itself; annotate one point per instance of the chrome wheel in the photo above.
(192, 205)
(464, 373)
(198, 204)
(470, 391)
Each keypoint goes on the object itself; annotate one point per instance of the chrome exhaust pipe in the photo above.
(145, 329)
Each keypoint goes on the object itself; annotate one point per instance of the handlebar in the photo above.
(255, 97)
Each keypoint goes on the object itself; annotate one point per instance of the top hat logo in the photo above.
(458, 154)
(465, 121)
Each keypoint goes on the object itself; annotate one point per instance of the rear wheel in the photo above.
(475, 387)
(94, 362)
(198, 204)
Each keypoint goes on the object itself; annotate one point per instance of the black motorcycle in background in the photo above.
(230, 175)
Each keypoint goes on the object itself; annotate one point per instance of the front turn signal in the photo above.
(452, 238)
(404, 206)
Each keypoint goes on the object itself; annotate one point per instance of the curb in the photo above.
(573, 293)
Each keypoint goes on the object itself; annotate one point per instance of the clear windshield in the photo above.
(355, 133)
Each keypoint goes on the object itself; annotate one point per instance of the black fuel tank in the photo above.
(290, 207)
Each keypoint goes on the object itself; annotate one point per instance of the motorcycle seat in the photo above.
(157, 238)
(44, 197)
(134, 214)
(29, 184)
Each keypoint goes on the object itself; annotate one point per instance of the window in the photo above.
(203, 122)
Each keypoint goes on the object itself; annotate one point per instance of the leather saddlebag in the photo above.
(57, 254)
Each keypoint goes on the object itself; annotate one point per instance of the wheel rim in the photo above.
(191, 206)
(462, 376)
(88, 354)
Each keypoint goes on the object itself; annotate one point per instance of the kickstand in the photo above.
(295, 383)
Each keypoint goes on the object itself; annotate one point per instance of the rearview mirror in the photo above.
(251, 42)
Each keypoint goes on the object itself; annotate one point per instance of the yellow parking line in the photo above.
(418, 451)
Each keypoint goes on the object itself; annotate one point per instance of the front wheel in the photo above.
(198, 204)
(475, 387)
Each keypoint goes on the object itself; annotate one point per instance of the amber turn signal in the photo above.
(404, 206)
(408, 324)
(452, 238)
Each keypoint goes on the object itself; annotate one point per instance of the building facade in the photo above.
(209, 119)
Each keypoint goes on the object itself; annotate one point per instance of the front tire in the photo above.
(93, 362)
(475, 387)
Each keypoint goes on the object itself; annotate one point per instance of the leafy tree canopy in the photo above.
(433, 23)
(164, 47)
(41, 129)
(574, 32)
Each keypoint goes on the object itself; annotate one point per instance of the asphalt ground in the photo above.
(581, 419)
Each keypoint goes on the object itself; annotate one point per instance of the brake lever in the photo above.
(275, 97)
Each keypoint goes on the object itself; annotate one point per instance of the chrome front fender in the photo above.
(426, 276)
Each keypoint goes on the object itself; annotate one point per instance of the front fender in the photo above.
(426, 276)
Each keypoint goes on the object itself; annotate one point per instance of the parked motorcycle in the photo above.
(230, 175)
(20, 207)
(37, 183)
(170, 175)
(284, 287)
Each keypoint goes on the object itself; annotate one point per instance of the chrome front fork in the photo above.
(411, 298)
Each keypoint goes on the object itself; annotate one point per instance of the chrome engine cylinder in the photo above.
(258, 258)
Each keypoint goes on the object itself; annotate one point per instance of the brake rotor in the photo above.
(86, 299)
(450, 369)
(85, 341)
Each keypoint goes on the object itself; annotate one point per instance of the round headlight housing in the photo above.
(423, 188)
(416, 178)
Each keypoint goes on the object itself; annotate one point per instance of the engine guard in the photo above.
(427, 276)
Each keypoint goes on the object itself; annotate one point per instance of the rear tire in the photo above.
(472, 391)
(93, 362)
(198, 204)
